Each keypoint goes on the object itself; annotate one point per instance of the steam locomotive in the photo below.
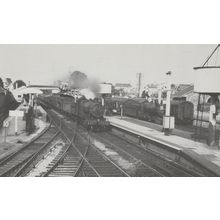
(89, 113)
(150, 111)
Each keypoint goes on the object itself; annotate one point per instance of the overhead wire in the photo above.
(216, 58)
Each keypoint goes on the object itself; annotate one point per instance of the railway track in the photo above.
(103, 164)
(145, 162)
(14, 164)
(68, 163)
(107, 154)
(88, 162)
(139, 162)
(144, 157)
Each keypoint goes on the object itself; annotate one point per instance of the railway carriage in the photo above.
(182, 111)
(113, 105)
(150, 111)
(142, 109)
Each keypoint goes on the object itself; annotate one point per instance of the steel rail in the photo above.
(103, 155)
(100, 153)
(132, 156)
(107, 158)
(171, 163)
(57, 162)
(73, 145)
(176, 166)
(8, 157)
(30, 161)
(81, 163)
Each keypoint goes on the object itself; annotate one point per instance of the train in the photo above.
(89, 113)
(142, 109)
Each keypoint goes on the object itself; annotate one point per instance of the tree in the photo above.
(118, 92)
(18, 83)
(9, 81)
(78, 80)
(1, 83)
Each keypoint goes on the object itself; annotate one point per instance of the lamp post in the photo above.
(168, 121)
(167, 113)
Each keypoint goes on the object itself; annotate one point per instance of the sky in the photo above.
(45, 63)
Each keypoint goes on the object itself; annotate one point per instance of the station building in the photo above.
(34, 89)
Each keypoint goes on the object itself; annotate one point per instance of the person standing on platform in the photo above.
(30, 120)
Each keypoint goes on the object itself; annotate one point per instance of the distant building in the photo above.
(152, 89)
(126, 87)
(185, 91)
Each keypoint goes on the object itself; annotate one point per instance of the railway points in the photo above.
(97, 162)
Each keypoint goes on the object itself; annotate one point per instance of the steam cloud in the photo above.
(89, 87)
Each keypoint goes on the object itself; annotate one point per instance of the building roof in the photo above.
(183, 90)
(31, 90)
(123, 85)
(43, 86)
(152, 86)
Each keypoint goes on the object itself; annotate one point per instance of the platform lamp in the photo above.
(168, 121)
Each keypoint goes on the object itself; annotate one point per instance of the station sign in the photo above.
(6, 124)
(16, 113)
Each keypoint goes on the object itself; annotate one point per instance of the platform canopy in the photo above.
(31, 91)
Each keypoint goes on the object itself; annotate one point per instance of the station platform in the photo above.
(207, 156)
(13, 142)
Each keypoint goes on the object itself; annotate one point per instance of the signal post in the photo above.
(168, 121)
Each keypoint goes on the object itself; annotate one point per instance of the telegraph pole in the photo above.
(139, 76)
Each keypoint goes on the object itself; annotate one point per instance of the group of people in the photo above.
(145, 94)
(12, 104)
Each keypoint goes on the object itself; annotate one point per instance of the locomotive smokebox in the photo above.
(97, 110)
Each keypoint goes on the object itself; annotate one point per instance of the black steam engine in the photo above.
(89, 113)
